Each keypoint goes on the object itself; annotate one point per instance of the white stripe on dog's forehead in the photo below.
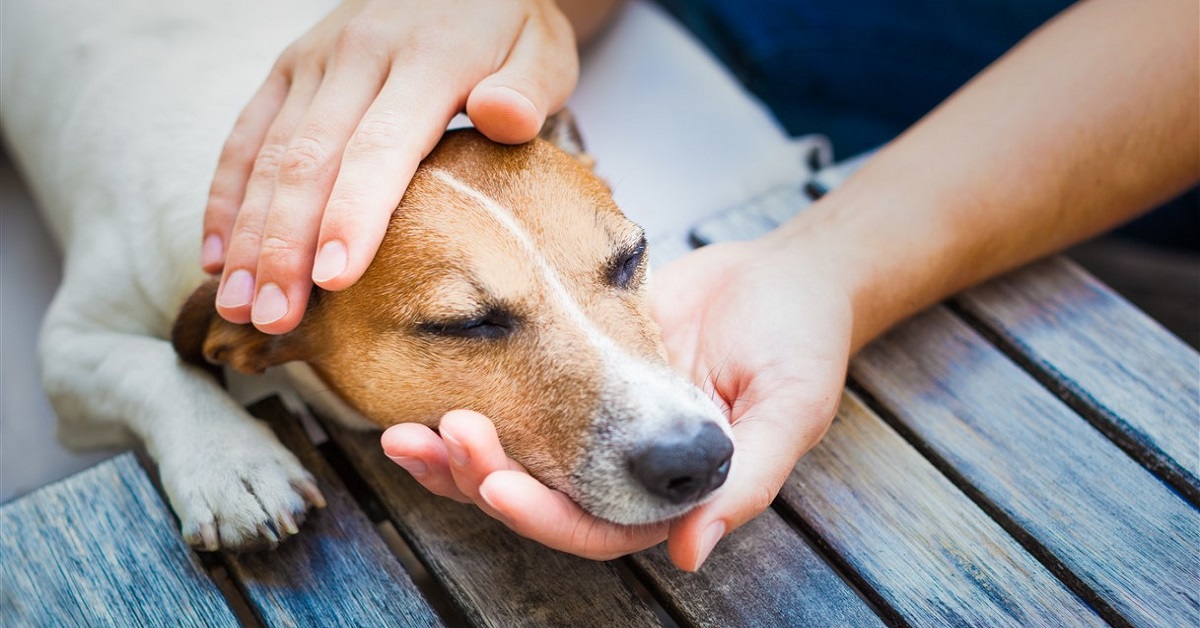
(557, 289)
(653, 393)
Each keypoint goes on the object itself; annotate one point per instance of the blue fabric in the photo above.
(862, 71)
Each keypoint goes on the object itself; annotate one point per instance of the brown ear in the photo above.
(204, 339)
(561, 131)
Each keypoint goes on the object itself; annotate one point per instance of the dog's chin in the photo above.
(626, 506)
(665, 513)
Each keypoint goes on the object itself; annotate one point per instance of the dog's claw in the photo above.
(312, 494)
(208, 537)
(267, 535)
(287, 524)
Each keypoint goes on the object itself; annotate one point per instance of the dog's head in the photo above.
(511, 284)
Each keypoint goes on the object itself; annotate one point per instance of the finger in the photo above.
(398, 130)
(236, 292)
(474, 451)
(418, 450)
(303, 182)
(552, 519)
(762, 461)
(535, 80)
(233, 168)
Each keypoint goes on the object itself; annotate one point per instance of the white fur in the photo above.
(116, 112)
(316, 393)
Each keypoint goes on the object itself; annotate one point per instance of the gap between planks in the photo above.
(1144, 454)
(214, 564)
(1026, 540)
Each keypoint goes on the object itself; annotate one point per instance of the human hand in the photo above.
(319, 158)
(467, 463)
(764, 327)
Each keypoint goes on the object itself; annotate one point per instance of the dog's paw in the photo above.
(239, 492)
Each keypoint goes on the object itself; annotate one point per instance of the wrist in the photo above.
(884, 265)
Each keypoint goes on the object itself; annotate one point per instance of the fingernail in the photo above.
(238, 290)
(708, 541)
(484, 492)
(458, 453)
(211, 252)
(331, 261)
(414, 466)
(270, 306)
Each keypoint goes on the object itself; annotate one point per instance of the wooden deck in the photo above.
(1024, 454)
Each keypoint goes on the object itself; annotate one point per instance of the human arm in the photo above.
(321, 155)
(1091, 120)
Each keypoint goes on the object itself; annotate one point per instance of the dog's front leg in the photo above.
(231, 482)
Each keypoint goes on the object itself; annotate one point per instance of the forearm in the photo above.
(1089, 121)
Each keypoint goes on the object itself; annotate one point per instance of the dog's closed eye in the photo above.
(624, 266)
(492, 324)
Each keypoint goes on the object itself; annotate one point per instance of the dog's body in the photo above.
(509, 283)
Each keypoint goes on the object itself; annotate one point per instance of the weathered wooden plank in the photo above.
(1140, 389)
(101, 548)
(1117, 529)
(762, 574)
(337, 571)
(495, 577)
(753, 218)
(1133, 379)
(922, 548)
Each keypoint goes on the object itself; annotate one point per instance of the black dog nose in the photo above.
(685, 464)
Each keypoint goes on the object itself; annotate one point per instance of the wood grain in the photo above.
(337, 571)
(495, 577)
(1127, 537)
(101, 548)
(752, 218)
(762, 574)
(920, 546)
(1135, 381)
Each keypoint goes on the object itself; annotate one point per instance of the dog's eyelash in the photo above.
(624, 268)
(491, 325)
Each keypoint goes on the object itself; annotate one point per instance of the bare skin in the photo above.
(1065, 137)
(321, 155)
(1090, 121)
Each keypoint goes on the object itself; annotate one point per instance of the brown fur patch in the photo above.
(445, 258)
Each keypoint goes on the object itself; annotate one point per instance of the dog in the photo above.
(509, 283)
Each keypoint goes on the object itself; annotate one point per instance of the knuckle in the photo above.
(358, 35)
(428, 43)
(378, 132)
(305, 156)
(278, 248)
(266, 162)
(760, 499)
(243, 246)
(345, 202)
(247, 230)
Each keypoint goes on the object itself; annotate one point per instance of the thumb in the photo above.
(541, 70)
(768, 440)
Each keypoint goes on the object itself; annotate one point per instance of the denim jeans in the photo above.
(862, 71)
